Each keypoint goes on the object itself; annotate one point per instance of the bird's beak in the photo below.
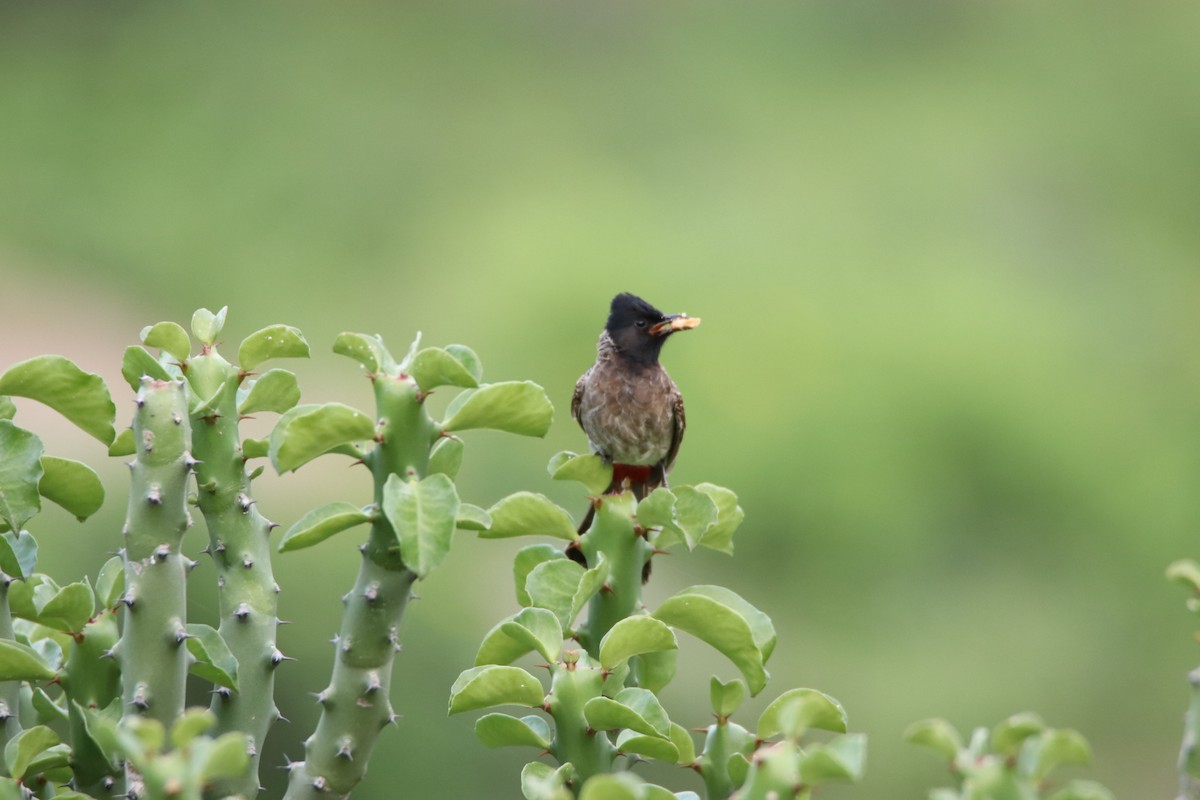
(675, 322)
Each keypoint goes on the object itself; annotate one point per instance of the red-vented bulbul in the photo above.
(626, 403)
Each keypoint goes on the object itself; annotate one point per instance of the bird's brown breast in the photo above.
(628, 411)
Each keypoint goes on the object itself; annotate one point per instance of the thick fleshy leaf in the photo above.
(255, 448)
(193, 723)
(213, 660)
(206, 326)
(228, 758)
(18, 556)
(684, 744)
(529, 514)
(72, 485)
(363, 348)
(1052, 748)
(501, 730)
(656, 669)
(275, 390)
(481, 687)
(529, 630)
(633, 636)
(26, 746)
(472, 518)
(110, 583)
(307, 431)
(20, 662)
(719, 535)
(727, 697)
(540, 781)
(564, 587)
(69, 609)
(8, 409)
(527, 558)
(48, 711)
(321, 523)
(274, 341)
(613, 786)
(468, 358)
(631, 743)
(138, 363)
(79, 396)
(434, 367)
(1008, 735)
(123, 445)
(724, 620)
(937, 734)
(809, 708)
(446, 456)
(841, 759)
(423, 515)
(20, 471)
(633, 708)
(519, 407)
(1083, 790)
(590, 470)
(170, 337)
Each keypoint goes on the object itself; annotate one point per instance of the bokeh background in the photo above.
(946, 256)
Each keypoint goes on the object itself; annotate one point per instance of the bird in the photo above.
(626, 403)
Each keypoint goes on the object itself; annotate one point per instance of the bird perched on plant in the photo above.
(626, 403)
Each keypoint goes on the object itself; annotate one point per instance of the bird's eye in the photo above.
(641, 323)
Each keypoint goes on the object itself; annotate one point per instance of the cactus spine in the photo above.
(240, 548)
(355, 706)
(154, 661)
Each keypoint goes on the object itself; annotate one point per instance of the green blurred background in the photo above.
(945, 253)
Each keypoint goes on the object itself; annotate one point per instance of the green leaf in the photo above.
(206, 326)
(564, 587)
(936, 734)
(72, 485)
(632, 743)
(519, 407)
(501, 730)
(138, 363)
(738, 767)
(27, 745)
(7, 408)
(812, 709)
(655, 670)
(123, 445)
(446, 456)
(170, 337)
(274, 341)
(724, 620)
(526, 559)
(255, 448)
(683, 513)
(321, 523)
(719, 536)
(590, 470)
(55, 381)
(633, 636)
(69, 609)
(110, 583)
(633, 708)
(684, 745)
(20, 471)
(467, 357)
(213, 660)
(1040, 755)
(193, 723)
(275, 390)
(841, 759)
(727, 697)
(1008, 735)
(540, 781)
(307, 431)
(423, 515)
(228, 758)
(366, 350)
(1083, 790)
(48, 711)
(18, 557)
(531, 629)
(529, 514)
(472, 518)
(612, 786)
(434, 367)
(481, 687)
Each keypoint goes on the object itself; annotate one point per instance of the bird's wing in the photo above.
(578, 397)
(678, 424)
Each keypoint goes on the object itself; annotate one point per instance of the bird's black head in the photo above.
(639, 330)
